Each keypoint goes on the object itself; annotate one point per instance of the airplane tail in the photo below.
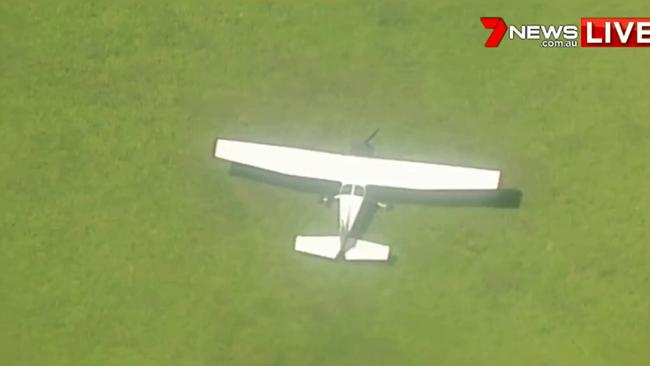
(322, 246)
(368, 251)
(330, 247)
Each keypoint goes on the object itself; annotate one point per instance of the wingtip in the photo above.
(216, 148)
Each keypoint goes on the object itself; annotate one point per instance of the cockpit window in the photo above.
(346, 189)
(350, 189)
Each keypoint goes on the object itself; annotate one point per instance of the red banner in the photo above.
(615, 32)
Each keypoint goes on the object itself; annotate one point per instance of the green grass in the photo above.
(123, 242)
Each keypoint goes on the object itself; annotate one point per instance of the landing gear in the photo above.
(384, 205)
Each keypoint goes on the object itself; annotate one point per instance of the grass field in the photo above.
(123, 242)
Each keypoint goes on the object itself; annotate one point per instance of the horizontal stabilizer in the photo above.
(322, 246)
(368, 251)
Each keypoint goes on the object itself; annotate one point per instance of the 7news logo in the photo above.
(593, 32)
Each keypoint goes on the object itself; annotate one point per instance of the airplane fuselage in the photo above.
(350, 199)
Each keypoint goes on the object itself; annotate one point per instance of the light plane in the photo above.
(354, 173)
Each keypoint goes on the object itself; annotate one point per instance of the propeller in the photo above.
(364, 148)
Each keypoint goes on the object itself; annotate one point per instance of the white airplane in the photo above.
(354, 174)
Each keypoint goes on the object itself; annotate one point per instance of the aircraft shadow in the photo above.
(502, 198)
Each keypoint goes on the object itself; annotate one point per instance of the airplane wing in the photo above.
(356, 169)
(426, 176)
(281, 159)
